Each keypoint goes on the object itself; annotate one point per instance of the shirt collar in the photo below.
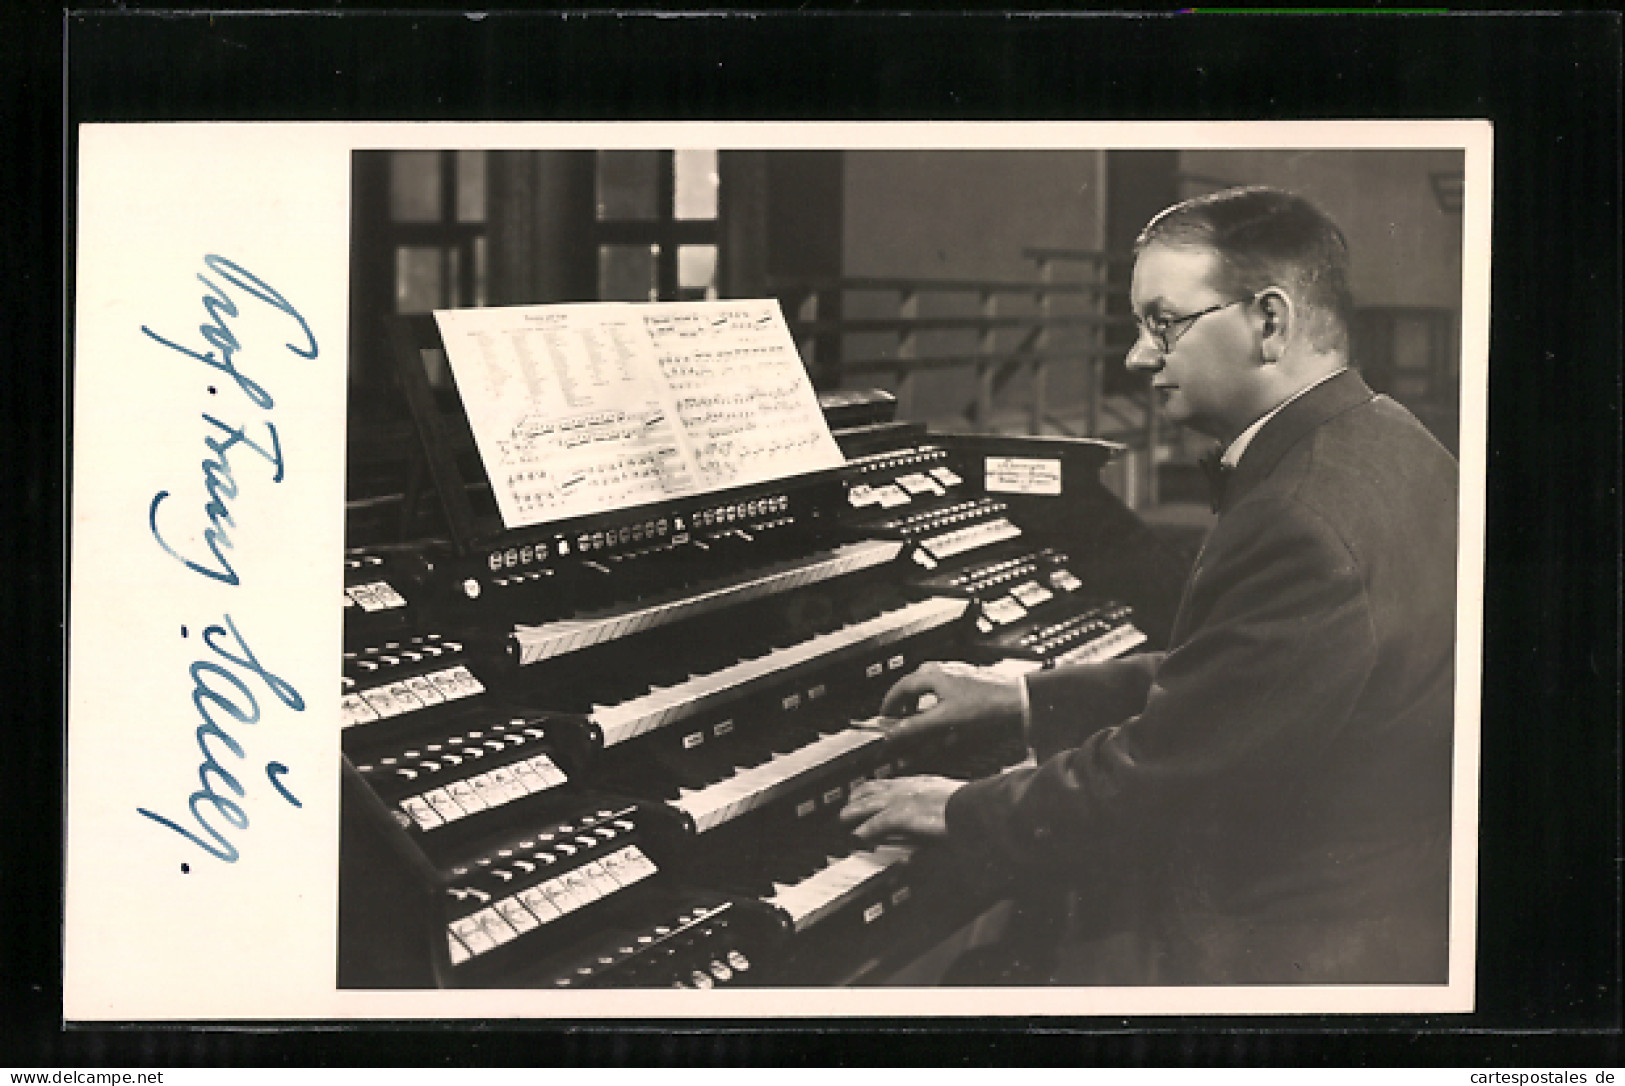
(1233, 452)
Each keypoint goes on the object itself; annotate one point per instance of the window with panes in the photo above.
(655, 225)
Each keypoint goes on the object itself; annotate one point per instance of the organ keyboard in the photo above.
(836, 884)
(612, 751)
(662, 706)
(758, 785)
(531, 644)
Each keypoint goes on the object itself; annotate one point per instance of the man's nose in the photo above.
(1143, 357)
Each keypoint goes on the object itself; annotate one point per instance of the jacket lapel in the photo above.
(1297, 420)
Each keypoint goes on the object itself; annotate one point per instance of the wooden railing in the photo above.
(1097, 268)
(1109, 273)
(815, 310)
(1096, 338)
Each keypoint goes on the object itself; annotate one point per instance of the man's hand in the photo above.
(912, 806)
(938, 696)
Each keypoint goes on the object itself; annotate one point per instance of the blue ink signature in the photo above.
(216, 687)
(220, 305)
(218, 479)
(221, 695)
(221, 486)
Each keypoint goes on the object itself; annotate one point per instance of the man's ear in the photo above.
(1277, 317)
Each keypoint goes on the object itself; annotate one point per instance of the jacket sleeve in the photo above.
(1067, 705)
(1281, 644)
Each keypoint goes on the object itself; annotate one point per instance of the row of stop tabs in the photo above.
(506, 919)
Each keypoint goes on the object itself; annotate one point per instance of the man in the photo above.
(1277, 783)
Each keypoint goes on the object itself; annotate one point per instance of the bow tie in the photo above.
(1218, 477)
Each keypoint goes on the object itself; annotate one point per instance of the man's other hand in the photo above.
(937, 696)
(907, 806)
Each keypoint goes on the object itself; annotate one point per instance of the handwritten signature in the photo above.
(218, 479)
(242, 707)
(219, 690)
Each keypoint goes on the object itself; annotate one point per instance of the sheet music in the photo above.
(587, 407)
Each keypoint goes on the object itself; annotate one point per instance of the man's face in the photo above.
(1207, 378)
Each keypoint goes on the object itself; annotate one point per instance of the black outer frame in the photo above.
(1549, 962)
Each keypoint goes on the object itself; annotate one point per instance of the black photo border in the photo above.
(1549, 986)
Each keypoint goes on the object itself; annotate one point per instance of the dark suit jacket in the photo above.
(1277, 784)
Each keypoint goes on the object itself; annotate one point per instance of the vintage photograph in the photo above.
(817, 537)
(905, 567)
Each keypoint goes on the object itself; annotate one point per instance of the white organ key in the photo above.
(828, 889)
(658, 707)
(727, 800)
(568, 635)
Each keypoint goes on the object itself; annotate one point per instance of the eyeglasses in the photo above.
(1160, 329)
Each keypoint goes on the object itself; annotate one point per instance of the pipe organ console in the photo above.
(610, 752)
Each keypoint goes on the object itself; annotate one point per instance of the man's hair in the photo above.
(1264, 237)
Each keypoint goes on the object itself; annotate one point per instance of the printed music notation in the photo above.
(590, 407)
